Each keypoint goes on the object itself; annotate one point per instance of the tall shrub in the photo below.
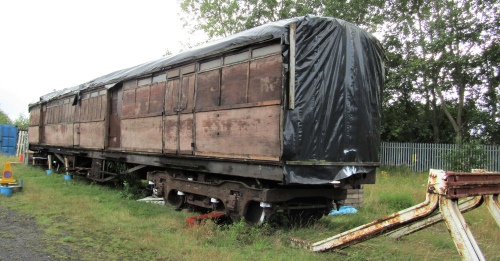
(466, 157)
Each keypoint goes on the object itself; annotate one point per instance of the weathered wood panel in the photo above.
(59, 134)
(128, 106)
(114, 133)
(172, 97)
(186, 133)
(242, 133)
(187, 93)
(142, 134)
(234, 84)
(35, 116)
(33, 135)
(208, 89)
(157, 97)
(142, 100)
(170, 134)
(76, 134)
(265, 79)
(92, 134)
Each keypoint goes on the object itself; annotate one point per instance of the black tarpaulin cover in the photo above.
(266, 32)
(334, 130)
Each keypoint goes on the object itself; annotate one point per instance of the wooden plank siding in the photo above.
(228, 106)
(251, 133)
(142, 134)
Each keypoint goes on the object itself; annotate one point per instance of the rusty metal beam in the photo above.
(379, 226)
(493, 206)
(466, 205)
(444, 189)
(462, 236)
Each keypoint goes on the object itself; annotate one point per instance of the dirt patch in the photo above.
(21, 238)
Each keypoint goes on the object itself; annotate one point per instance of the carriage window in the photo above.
(144, 81)
(160, 77)
(210, 65)
(130, 84)
(173, 73)
(266, 50)
(236, 58)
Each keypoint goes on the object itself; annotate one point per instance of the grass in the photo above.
(93, 222)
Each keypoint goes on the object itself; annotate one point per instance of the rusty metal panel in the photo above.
(142, 100)
(208, 89)
(142, 134)
(59, 134)
(186, 133)
(157, 97)
(457, 185)
(187, 93)
(172, 97)
(240, 133)
(170, 134)
(234, 84)
(33, 135)
(128, 105)
(265, 79)
(91, 135)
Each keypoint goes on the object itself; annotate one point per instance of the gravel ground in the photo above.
(21, 238)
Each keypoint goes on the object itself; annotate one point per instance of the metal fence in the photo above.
(424, 156)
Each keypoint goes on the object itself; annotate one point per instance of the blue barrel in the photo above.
(6, 191)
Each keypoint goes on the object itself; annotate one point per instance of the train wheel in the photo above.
(255, 213)
(305, 217)
(176, 199)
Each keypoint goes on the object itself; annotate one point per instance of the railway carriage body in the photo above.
(281, 117)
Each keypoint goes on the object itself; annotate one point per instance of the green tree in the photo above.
(436, 53)
(4, 119)
(220, 18)
(22, 122)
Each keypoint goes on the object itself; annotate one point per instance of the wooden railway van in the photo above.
(279, 118)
